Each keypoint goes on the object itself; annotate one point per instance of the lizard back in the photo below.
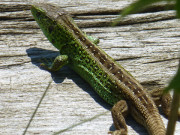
(109, 79)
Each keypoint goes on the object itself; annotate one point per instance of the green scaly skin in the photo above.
(109, 79)
(79, 59)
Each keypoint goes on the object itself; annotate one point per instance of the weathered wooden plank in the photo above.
(146, 44)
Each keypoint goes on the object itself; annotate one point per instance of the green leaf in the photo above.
(142, 4)
(178, 8)
(133, 8)
(137, 6)
(175, 83)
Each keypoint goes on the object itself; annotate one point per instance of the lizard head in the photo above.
(51, 19)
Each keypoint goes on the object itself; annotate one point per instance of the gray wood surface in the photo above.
(146, 44)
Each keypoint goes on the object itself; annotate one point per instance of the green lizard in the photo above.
(109, 79)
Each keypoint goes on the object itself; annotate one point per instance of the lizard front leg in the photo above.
(93, 39)
(119, 111)
(58, 63)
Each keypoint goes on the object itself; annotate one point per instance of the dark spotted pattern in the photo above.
(108, 78)
(109, 65)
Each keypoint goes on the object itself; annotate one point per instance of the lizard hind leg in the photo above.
(166, 104)
(119, 111)
(57, 64)
(163, 99)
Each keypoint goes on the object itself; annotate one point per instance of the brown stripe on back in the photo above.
(89, 45)
(101, 59)
(114, 71)
(119, 74)
(131, 85)
(146, 102)
(95, 51)
(141, 95)
(104, 57)
(135, 91)
(110, 65)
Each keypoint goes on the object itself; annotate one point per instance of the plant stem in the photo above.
(173, 114)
